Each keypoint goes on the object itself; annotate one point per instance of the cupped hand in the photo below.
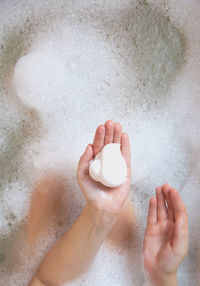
(166, 238)
(101, 197)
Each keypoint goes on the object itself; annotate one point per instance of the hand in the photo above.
(99, 196)
(166, 238)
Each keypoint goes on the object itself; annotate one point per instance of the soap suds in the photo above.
(67, 67)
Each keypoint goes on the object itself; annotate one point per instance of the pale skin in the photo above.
(106, 211)
(96, 194)
(103, 208)
(49, 192)
(166, 239)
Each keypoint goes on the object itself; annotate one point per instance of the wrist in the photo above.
(99, 222)
(98, 212)
(100, 217)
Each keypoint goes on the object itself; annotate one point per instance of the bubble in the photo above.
(66, 67)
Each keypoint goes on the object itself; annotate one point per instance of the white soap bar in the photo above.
(109, 166)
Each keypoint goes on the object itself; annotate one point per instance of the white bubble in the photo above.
(67, 66)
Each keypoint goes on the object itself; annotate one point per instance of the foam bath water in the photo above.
(67, 66)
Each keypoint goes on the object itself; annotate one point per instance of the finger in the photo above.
(83, 166)
(117, 133)
(126, 151)
(166, 188)
(152, 213)
(109, 125)
(180, 238)
(177, 203)
(98, 142)
(161, 206)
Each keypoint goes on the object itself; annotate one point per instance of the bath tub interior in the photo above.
(68, 66)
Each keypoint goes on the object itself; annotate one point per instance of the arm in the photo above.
(72, 255)
(166, 239)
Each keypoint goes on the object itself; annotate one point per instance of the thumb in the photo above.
(83, 165)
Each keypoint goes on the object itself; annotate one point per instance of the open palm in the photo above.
(166, 237)
(102, 197)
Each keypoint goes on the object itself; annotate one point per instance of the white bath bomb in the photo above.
(109, 166)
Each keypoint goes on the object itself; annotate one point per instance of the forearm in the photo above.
(169, 281)
(72, 255)
(162, 280)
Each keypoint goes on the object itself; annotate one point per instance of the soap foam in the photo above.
(66, 67)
